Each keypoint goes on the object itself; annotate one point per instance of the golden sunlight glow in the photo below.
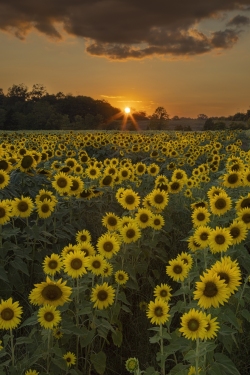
(127, 110)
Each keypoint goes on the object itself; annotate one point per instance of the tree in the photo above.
(37, 92)
(160, 114)
(201, 116)
(18, 92)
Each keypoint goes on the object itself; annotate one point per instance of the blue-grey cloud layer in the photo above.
(121, 29)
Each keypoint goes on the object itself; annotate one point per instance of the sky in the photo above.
(190, 57)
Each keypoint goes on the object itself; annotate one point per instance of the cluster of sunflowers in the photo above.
(161, 172)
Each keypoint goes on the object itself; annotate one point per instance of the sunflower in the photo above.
(200, 216)
(175, 186)
(177, 270)
(4, 179)
(211, 328)
(102, 296)
(108, 270)
(243, 202)
(121, 277)
(62, 183)
(158, 199)
(129, 199)
(27, 162)
(70, 358)
(55, 293)
(192, 370)
(238, 231)
(77, 185)
(75, 264)
(219, 239)
(132, 364)
(124, 173)
(93, 172)
(10, 314)
(215, 191)
(52, 264)
(45, 194)
(22, 207)
(244, 215)
(83, 236)
(157, 221)
(201, 236)
(179, 175)
(31, 372)
(220, 204)
(163, 292)
(68, 249)
(143, 217)
(140, 168)
(157, 311)
(246, 177)
(45, 208)
(193, 324)
(48, 316)
(211, 291)
(110, 221)
(130, 232)
(107, 245)
(153, 169)
(57, 333)
(107, 180)
(186, 258)
(5, 211)
(232, 180)
(230, 275)
(96, 264)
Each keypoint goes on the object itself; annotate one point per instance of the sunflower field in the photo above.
(124, 252)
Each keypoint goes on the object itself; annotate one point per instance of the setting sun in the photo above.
(127, 110)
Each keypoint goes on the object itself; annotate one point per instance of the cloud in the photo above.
(112, 97)
(122, 29)
(239, 21)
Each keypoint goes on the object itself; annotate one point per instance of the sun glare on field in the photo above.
(127, 117)
(127, 110)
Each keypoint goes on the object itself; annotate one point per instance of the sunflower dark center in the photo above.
(52, 293)
(7, 314)
(204, 236)
(124, 173)
(152, 169)
(49, 316)
(53, 264)
(130, 233)
(235, 232)
(157, 222)
(83, 237)
(27, 161)
(112, 221)
(158, 198)
(120, 276)
(93, 172)
(163, 293)
(2, 212)
(62, 182)
(177, 269)
(201, 216)
(70, 163)
(45, 208)
(140, 168)
(22, 151)
(220, 239)
(45, 196)
(144, 218)
(75, 185)
(193, 325)
(96, 264)
(246, 218)
(175, 185)
(102, 295)
(210, 289)
(220, 203)
(22, 206)
(158, 311)
(179, 175)
(224, 276)
(76, 264)
(233, 178)
(3, 165)
(245, 203)
(107, 180)
(108, 246)
(130, 199)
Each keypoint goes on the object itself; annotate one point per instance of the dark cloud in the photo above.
(121, 29)
(239, 21)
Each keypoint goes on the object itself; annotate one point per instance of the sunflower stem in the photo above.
(197, 357)
(12, 348)
(48, 353)
(162, 358)
(242, 292)
(184, 296)
(77, 320)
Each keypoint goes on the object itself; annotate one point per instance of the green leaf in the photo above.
(87, 338)
(246, 314)
(117, 337)
(3, 274)
(30, 321)
(190, 355)
(98, 360)
(60, 362)
(225, 365)
(151, 371)
(23, 340)
(229, 316)
(19, 264)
